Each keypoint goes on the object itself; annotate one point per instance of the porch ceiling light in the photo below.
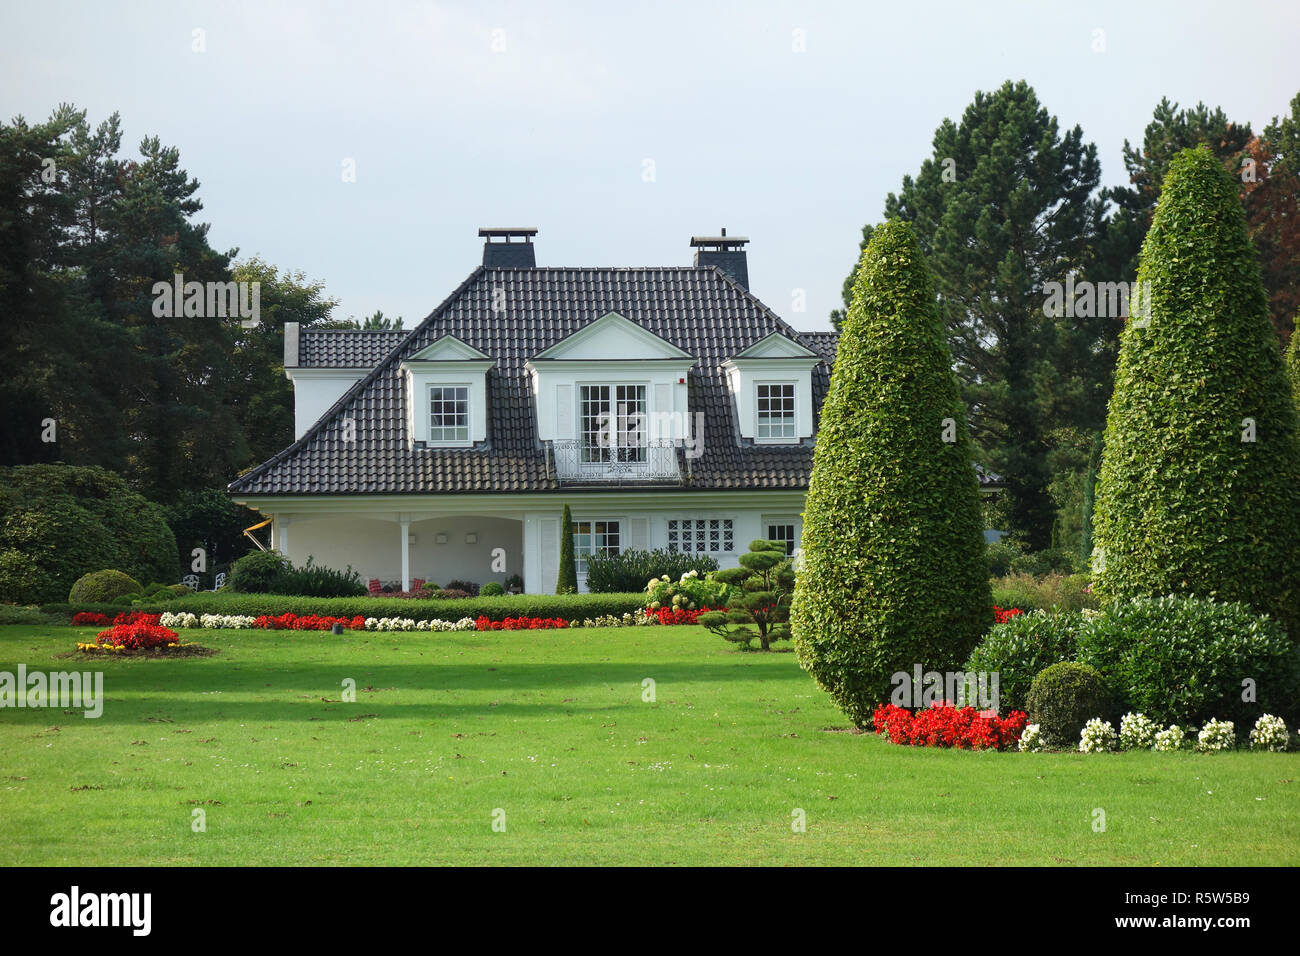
(441, 537)
(471, 538)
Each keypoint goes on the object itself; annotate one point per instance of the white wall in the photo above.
(373, 546)
(315, 390)
(541, 568)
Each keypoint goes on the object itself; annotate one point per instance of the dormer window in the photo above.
(771, 385)
(446, 386)
(449, 414)
(775, 408)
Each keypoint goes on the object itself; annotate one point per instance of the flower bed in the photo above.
(943, 725)
(137, 637)
(313, 622)
(125, 617)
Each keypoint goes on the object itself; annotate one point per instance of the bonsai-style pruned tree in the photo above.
(568, 579)
(893, 570)
(1197, 490)
(762, 608)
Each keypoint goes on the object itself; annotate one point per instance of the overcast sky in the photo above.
(458, 115)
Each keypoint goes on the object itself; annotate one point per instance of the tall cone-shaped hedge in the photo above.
(1198, 492)
(567, 580)
(893, 571)
(1293, 363)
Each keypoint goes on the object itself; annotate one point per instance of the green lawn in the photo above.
(551, 728)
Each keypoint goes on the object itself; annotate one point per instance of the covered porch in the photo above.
(401, 547)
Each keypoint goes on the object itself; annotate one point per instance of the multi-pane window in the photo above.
(775, 409)
(593, 537)
(700, 535)
(784, 533)
(613, 423)
(448, 414)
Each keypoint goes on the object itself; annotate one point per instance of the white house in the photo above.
(668, 407)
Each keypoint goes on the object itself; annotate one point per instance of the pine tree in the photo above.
(1006, 204)
(567, 582)
(893, 572)
(1202, 460)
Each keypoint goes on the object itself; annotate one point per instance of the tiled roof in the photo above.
(346, 348)
(823, 343)
(700, 310)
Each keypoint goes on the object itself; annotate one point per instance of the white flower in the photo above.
(1170, 740)
(1270, 733)
(1031, 739)
(1098, 736)
(1216, 735)
(1137, 732)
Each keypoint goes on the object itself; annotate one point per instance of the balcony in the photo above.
(573, 461)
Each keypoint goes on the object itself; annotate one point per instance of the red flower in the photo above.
(943, 725)
(138, 636)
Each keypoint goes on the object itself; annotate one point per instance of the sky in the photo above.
(617, 130)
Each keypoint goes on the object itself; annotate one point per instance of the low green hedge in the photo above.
(1021, 647)
(1184, 660)
(568, 606)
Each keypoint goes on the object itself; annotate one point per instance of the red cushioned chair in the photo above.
(375, 586)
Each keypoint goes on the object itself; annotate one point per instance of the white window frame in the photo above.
(793, 437)
(615, 450)
(677, 549)
(795, 527)
(469, 415)
(579, 555)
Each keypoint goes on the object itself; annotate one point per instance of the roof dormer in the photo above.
(771, 388)
(446, 391)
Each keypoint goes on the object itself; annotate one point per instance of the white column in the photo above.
(405, 524)
(282, 534)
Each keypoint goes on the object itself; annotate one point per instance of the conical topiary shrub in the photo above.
(1198, 487)
(1293, 363)
(567, 582)
(893, 571)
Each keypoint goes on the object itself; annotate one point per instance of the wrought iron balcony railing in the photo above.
(577, 461)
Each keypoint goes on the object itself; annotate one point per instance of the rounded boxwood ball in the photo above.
(1064, 697)
(102, 587)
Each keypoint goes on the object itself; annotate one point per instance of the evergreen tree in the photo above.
(567, 583)
(1197, 488)
(1006, 205)
(894, 572)
(762, 608)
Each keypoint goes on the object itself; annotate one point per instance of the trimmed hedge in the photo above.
(100, 587)
(893, 568)
(1064, 697)
(1021, 647)
(632, 570)
(1183, 660)
(59, 522)
(567, 606)
(1197, 491)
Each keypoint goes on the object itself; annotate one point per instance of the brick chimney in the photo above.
(725, 252)
(501, 251)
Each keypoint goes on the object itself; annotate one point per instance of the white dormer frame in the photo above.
(773, 360)
(446, 362)
(612, 350)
